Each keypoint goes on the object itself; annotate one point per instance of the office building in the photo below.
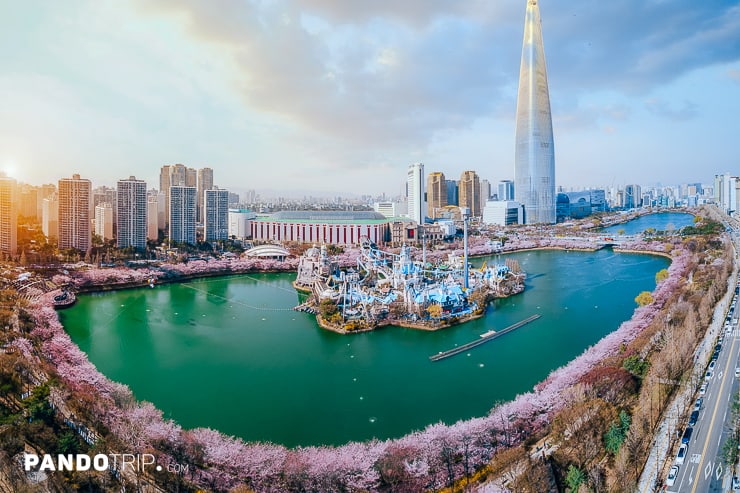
(415, 192)
(74, 213)
(216, 215)
(8, 215)
(485, 193)
(469, 192)
(132, 209)
(452, 192)
(632, 196)
(534, 157)
(503, 212)
(505, 190)
(436, 193)
(182, 206)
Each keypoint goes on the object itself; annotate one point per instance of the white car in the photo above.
(703, 389)
(681, 456)
(737, 371)
(672, 474)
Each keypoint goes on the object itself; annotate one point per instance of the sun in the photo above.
(9, 168)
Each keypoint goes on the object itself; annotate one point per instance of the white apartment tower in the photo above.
(415, 193)
(132, 210)
(216, 215)
(182, 207)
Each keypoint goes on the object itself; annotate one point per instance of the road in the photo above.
(703, 469)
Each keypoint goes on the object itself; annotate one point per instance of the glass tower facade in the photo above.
(535, 154)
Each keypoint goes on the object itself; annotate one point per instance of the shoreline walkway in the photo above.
(452, 352)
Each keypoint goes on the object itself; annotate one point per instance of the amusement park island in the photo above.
(55, 399)
(393, 289)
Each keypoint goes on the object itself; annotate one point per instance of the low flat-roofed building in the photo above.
(329, 227)
(503, 212)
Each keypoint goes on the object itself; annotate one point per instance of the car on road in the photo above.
(699, 403)
(708, 375)
(693, 418)
(686, 437)
(737, 371)
(672, 475)
(712, 365)
(681, 456)
(735, 483)
(703, 389)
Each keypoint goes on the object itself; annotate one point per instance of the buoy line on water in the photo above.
(230, 300)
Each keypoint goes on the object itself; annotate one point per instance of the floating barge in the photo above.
(488, 336)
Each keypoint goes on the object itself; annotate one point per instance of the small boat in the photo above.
(152, 282)
(63, 300)
(488, 334)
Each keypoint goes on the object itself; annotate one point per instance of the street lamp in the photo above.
(465, 213)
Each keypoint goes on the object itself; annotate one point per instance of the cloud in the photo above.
(394, 72)
(658, 107)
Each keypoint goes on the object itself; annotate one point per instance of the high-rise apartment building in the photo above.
(415, 192)
(152, 231)
(216, 215)
(50, 216)
(205, 182)
(534, 157)
(74, 213)
(104, 220)
(8, 215)
(132, 213)
(182, 207)
(436, 193)
(469, 192)
(175, 175)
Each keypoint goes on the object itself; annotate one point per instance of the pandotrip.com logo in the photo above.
(138, 463)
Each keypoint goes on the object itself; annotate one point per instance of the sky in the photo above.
(340, 96)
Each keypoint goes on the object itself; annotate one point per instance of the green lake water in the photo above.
(229, 353)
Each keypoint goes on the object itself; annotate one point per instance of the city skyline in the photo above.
(312, 96)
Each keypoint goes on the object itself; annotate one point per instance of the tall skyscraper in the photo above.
(131, 213)
(469, 192)
(415, 192)
(534, 157)
(74, 213)
(182, 214)
(436, 193)
(216, 215)
(8, 215)
(205, 182)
